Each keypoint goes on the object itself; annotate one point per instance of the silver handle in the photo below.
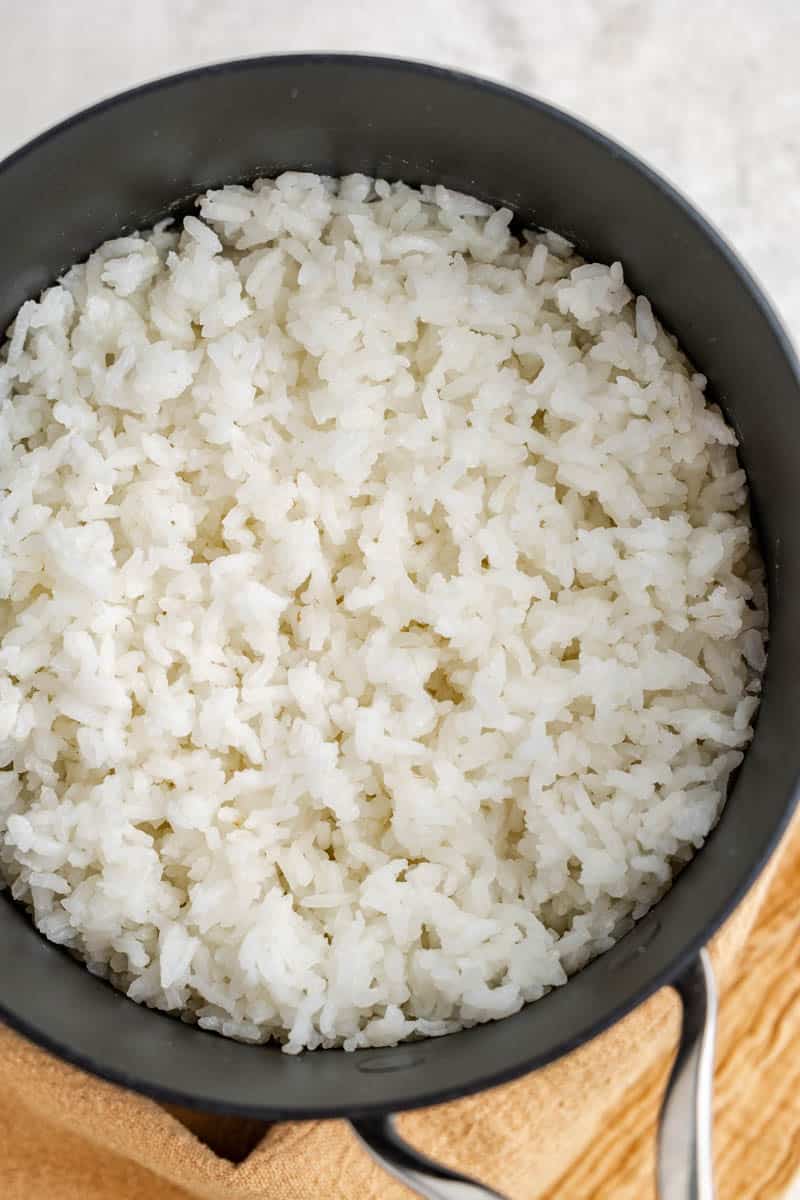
(685, 1160)
(418, 1172)
(685, 1170)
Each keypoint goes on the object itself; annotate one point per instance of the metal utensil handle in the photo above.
(418, 1172)
(685, 1160)
(684, 1140)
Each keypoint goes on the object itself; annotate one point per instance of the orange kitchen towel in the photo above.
(65, 1135)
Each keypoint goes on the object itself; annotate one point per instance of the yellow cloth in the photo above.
(65, 1135)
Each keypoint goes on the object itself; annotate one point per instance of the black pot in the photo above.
(131, 160)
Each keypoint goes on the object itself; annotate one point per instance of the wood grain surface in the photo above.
(757, 1099)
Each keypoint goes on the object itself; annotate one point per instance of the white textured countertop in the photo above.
(708, 91)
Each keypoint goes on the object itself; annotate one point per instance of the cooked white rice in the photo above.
(382, 620)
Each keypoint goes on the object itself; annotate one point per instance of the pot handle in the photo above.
(418, 1172)
(684, 1139)
(685, 1161)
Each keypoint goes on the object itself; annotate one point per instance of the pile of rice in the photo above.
(381, 617)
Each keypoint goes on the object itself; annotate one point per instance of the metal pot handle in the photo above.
(685, 1160)
(418, 1172)
(684, 1139)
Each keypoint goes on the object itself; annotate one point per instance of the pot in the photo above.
(134, 159)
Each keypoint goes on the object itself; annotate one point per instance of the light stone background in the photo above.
(708, 91)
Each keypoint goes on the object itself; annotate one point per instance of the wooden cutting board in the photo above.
(757, 1118)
